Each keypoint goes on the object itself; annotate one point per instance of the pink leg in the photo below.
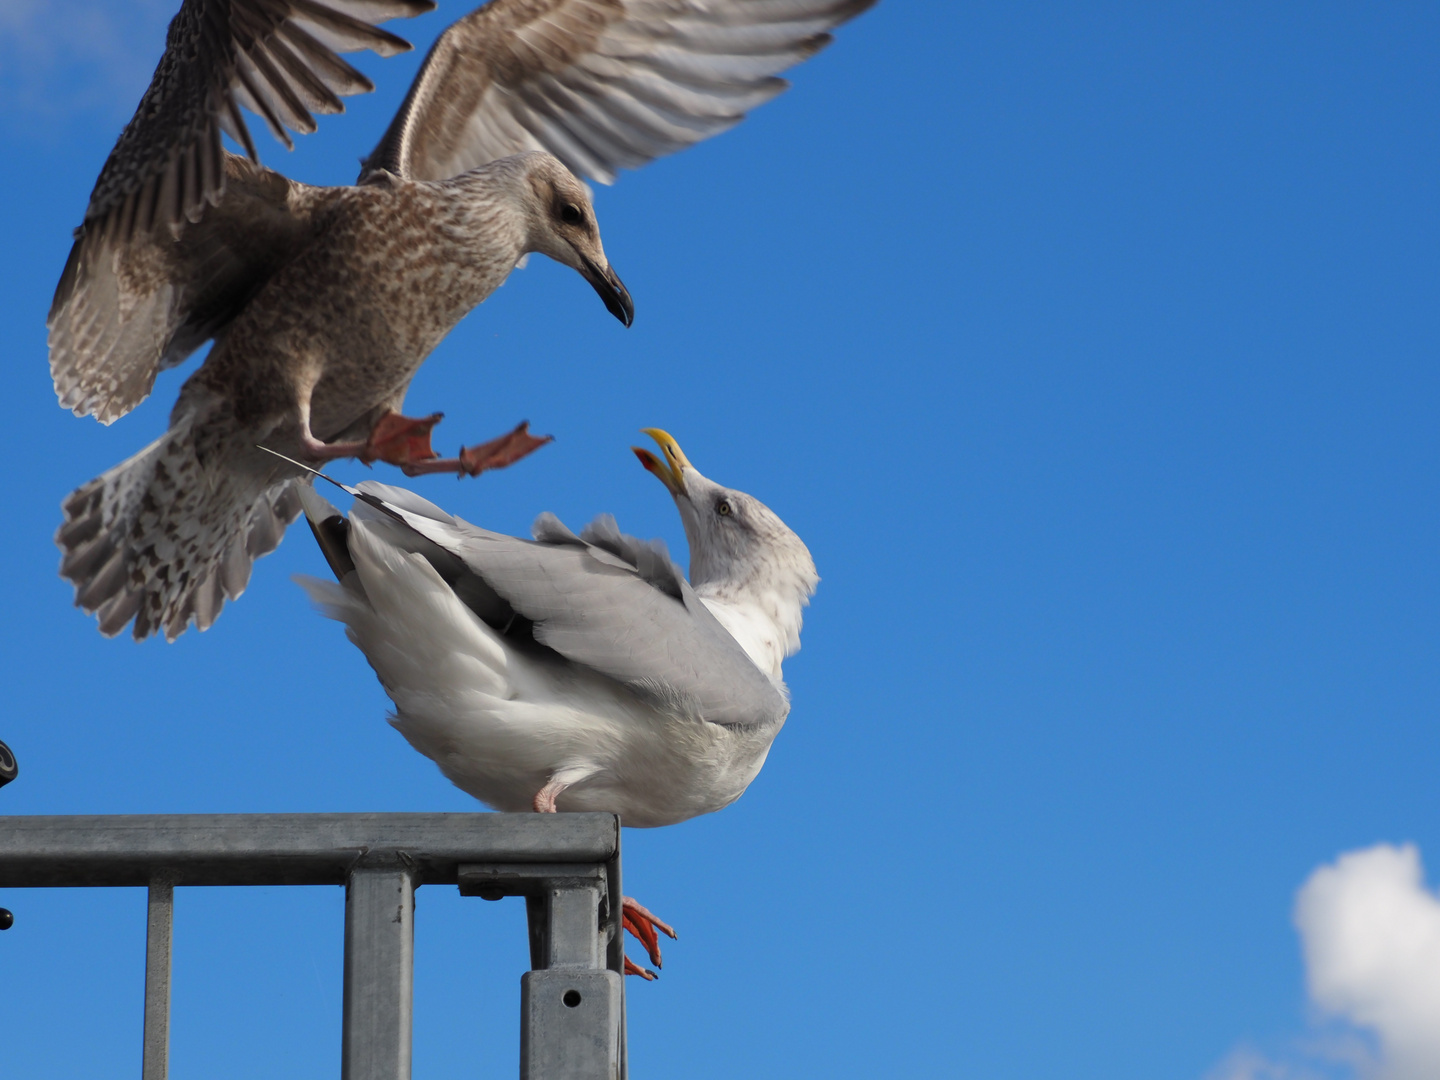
(316, 450)
(546, 796)
(637, 919)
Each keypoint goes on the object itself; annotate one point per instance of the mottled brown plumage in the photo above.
(326, 346)
(323, 302)
(128, 304)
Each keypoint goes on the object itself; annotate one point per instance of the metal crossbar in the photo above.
(567, 866)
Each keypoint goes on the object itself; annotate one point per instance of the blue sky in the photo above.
(1091, 348)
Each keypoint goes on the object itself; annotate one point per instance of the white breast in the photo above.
(755, 630)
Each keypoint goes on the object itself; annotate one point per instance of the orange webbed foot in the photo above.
(401, 440)
(643, 925)
(473, 460)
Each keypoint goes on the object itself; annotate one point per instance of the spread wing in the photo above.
(592, 605)
(601, 84)
(127, 309)
(276, 58)
(112, 320)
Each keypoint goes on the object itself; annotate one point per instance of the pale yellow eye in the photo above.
(723, 508)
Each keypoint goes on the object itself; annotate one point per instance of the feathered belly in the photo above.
(650, 768)
(355, 387)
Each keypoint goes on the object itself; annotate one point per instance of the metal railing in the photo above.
(567, 866)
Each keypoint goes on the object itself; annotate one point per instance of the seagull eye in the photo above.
(571, 215)
(723, 508)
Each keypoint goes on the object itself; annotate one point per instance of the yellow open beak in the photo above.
(668, 471)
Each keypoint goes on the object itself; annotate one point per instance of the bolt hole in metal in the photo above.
(571, 998)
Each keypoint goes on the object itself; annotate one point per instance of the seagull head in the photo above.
(740, 551)
(563, 226)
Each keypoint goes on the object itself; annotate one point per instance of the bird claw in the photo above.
(473, 460)
(642, 926)
(632, 968)
(404, 441)
(506, 450)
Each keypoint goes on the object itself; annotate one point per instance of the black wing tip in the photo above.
(333, 538)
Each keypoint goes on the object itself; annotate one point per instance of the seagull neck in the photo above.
(763, 616)
(492, 216)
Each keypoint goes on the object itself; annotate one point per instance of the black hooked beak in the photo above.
(608, 284)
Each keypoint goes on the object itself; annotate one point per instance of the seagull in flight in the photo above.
(574, 672)
(324, 301)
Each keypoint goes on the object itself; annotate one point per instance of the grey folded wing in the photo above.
(595, 608)
(601, 84)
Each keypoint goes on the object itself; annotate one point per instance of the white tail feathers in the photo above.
(166, 539)
(417, 634)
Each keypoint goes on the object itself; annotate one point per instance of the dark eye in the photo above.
(723, 508)
(571, 214)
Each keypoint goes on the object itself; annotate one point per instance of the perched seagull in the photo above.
(323, 302)
(577, 672)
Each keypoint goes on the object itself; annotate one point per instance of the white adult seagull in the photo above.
(577, 672)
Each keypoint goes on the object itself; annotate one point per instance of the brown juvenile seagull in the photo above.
(323, 302)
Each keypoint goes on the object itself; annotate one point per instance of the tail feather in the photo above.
(165, 538)
(421, 639)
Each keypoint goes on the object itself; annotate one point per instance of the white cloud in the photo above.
(1247, 1063)
(1371, 935)
(1335, 1051)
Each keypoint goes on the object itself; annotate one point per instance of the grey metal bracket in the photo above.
(567, 866)
(572, 1002)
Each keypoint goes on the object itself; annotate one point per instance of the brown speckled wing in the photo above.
(274, 57)
(133, 308)
(110, 330)
(601, 84)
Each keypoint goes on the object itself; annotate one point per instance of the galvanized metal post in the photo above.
(567, 866)
(379, 973)
(614, 945)
(571, 1009)
(159, 930)
(574, 928)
